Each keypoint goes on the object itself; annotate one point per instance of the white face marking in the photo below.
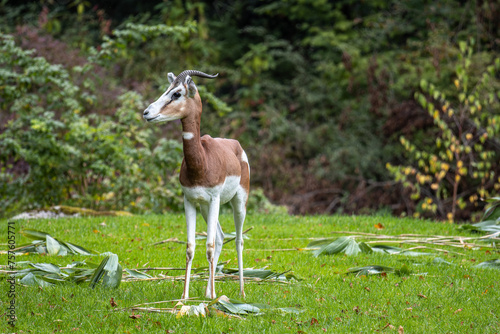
(226, 191)
(187, 135)
(167, 98)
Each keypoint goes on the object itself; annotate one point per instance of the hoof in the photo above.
(208, 296)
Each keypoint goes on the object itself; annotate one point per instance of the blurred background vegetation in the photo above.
(387, 107)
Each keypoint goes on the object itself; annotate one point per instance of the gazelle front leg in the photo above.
(239, 211)
(190, 210)
(212, 254)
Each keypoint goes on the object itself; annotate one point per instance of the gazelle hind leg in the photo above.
(219, 236)
(212, 255)
(239, 211)
(190, 210)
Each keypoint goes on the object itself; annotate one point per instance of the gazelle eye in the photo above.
(176, 95)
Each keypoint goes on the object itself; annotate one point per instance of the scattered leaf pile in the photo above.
(44, 243)
(490, 222)
(350, 245)
(220, 307)
(48, 274)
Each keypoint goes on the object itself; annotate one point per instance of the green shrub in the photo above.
(51, 152)
(460, 165)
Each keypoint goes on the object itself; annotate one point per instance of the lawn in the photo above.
(438, 293)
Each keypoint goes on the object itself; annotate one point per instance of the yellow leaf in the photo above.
(183, 311)
(379, 226)
(80, 8)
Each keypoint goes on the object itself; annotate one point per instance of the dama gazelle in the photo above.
(214, 171)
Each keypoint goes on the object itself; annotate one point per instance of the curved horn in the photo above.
(182, 76)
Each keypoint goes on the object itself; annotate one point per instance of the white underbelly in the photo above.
(226, 191)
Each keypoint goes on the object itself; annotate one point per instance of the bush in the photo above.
(449, 174)
(52, 153)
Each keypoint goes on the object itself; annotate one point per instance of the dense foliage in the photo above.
(318, 92)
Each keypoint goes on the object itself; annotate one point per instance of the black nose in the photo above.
(146, 112)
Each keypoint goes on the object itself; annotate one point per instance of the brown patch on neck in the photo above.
(208, 161)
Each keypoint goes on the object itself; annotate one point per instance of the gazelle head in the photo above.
(180, 99)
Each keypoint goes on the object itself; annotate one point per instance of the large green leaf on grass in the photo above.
(377, 270)
(396, 250)
(370, 270)
(47, 267)
(78, 249)
(98, 273)
(110, 269)
(493, 211)
(264, 274)
(44, 243)
(491, 218)
(345, 245)
(53, 247)
(232, 306)
(34, 234)
(32, 280)
(495, 264)
(491, 226)
(112, 279)
(439, 261)
(137, 274)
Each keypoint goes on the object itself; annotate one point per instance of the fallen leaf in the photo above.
(401, 330)
(135, 316)
(379, 226)
(422, 296)
(314, 321)
(113, 303)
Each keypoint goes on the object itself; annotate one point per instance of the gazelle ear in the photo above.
(171, 77)
(191, 86)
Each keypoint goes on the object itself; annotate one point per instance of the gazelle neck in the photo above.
(194, 154)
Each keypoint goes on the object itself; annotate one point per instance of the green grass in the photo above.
(458, 298)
